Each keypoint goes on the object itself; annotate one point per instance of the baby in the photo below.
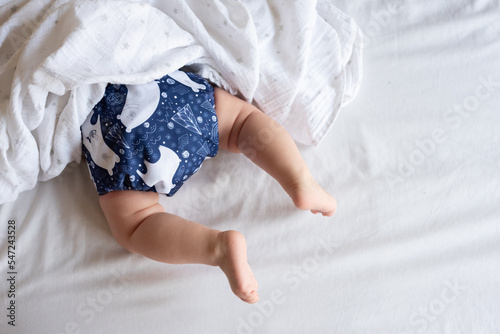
(141, 140)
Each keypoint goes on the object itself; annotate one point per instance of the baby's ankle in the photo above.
(215, 249)
(223, 242)
(306, 194)
(299, 190)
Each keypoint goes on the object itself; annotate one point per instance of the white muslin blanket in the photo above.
(298, 61)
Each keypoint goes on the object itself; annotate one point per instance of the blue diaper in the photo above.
(151, 137)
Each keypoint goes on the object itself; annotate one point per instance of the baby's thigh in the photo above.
(126, 210)
(231, 114)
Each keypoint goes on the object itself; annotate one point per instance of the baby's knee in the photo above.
(125, 211)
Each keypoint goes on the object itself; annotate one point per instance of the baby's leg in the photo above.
(140, 224)
(243, 128)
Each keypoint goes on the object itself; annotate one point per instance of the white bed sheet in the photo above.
(414, 247)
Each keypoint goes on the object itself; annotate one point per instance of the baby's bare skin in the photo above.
(141, 225)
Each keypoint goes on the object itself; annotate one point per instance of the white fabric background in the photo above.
(413, 248)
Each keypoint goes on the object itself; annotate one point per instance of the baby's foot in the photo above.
(233, 262)
(308, 195)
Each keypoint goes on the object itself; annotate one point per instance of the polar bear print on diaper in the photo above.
(161, 173)
(101, 154)
(184, 79)
(142, 101)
